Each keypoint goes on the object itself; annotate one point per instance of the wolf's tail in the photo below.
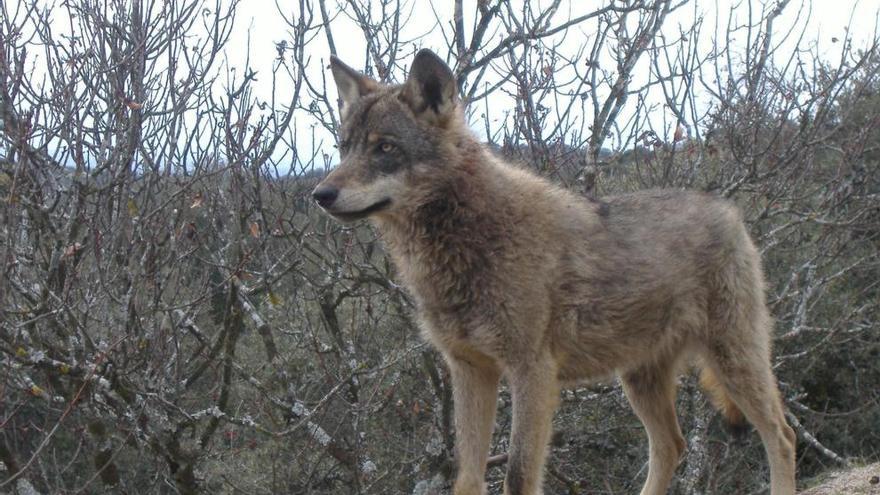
(733, 417)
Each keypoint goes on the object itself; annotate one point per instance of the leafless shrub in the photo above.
(176, 317)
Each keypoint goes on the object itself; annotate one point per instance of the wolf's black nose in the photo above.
(325, 195)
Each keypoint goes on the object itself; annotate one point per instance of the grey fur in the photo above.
(516, 277)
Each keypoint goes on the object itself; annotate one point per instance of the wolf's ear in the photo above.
(350, 84)
(430, 85)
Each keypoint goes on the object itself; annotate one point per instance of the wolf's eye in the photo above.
(386, 147)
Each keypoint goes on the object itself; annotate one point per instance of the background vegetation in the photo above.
(178, 318)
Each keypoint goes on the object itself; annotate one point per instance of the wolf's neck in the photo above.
(446, 247)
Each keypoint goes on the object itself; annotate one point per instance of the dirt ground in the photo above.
(863, 480)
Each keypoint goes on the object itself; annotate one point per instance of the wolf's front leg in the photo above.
(535, 392)
(475, 392)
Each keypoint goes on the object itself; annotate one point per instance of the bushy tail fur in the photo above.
(734, 419)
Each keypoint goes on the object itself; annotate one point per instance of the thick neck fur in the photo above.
(447, 238)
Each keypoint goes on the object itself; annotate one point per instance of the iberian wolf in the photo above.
(516, 277)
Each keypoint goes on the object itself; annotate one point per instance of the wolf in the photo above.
(518, 278)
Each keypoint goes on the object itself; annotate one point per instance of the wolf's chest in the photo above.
(449, 281)
(463, 332)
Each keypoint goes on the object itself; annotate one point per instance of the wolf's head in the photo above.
(391, 137)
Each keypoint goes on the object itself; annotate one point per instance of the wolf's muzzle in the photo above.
(325, 195)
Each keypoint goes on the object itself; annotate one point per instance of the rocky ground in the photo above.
(864, 480)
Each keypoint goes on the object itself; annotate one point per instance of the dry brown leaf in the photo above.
(71, 250)
(679, 134)
(197, 200)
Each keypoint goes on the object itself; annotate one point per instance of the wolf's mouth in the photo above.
(350, 216)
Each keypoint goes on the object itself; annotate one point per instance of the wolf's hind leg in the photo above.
(749, 381)
(651, 392)
(475, 395)
(739, 355)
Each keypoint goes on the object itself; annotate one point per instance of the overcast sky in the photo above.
(260, 20)
(829, 19)
(826, 23)
(260, 26)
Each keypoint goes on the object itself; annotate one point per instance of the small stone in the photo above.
(874, 480)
